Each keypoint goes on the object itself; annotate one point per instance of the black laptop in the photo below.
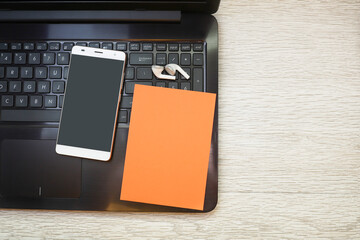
(36, 38)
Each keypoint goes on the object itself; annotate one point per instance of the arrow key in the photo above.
(185, 86)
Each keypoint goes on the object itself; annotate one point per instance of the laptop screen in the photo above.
(209, 6)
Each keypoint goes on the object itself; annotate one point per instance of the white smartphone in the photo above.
(91, 101)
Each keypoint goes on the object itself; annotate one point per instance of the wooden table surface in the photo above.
(289, 137)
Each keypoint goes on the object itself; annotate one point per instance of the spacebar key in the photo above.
(30, 115)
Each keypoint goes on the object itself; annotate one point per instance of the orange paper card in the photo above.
(168, 147)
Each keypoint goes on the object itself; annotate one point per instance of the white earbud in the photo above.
(157, 70)
(172, 68)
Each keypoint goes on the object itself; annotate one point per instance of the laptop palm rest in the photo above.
(32, 169)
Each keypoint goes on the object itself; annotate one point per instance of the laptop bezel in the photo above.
(205, 6)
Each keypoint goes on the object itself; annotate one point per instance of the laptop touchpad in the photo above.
(32, 168)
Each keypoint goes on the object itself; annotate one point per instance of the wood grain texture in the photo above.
(289, 135)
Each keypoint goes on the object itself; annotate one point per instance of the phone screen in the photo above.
(90, 103)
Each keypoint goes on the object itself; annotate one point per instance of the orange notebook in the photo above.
(168, 147)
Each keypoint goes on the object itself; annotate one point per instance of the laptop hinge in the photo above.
(89, 16)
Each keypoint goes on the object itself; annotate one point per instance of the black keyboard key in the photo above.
(54, 46)
(198, 59)
(36, 101)
(177, 75)
(63, 58)
(41, 72)
(48, 58)
(34, 58)
(43, 87)
(161, 46)
(173, 47)
(67, 46)
(174, 58)
(186, 47)
(185, 59)
(12, 72)
(122, 117)
(14, 86)
(3, 86)
(173, 85)
(66, 72)
(161, 59)
(160, 84)
(21, 101)
(26, 72)
(15, 46)
(198, 79)
(5, 58)
(84, 44)
(58, 87)
(126, 102)
(7, 101)
(50, 101)
(61, 100)
(147, 47)
(20, 58)
(30, 115)
(41, 46)
(134, 47)
(129, 86)
(185, 86)
(2, 72)
(188, 71)
(198, 47)
(129, 73)
(55, 73)
(107, 45)
(4, 46)
(29, 86)
(141, 58)
(121, 46)
(144, 73)
(94, 44)
(29, 46)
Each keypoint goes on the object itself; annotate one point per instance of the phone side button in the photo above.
(30, 115)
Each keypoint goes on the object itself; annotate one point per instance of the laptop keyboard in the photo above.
(33, 75)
